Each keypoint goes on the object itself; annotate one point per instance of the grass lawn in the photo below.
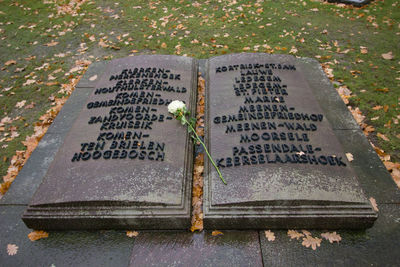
(46, 45)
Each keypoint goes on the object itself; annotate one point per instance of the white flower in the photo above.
(175, 105)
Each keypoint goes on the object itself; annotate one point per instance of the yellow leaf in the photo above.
(332, 237)
(215, 233)
(374, 204)
(269, 235)
(314, 242)
(349, 157)
(10, 62)
(382, 136)
(294, 234)
(36, 235)
(132, 233)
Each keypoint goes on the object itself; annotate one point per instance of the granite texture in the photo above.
(264, 189)
(233, 248)
(376, 246)
(141, 181)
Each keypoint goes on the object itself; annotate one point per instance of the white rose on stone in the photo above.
(175, 105)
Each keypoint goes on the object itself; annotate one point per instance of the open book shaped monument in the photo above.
(126, 163)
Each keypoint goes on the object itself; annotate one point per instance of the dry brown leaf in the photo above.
(31, 105)
(28, 82)
(382, 136)
(314, 242)
(385, 108)
(269, 235)
(294, 234)
(215, 233)
(10, 62)
(306, 233)
(388, 56)
(12, 249)
(197, 225)
(163, 45)
(103, 44)
(36, 235)
(199, 169)
(132, 233)
(52, 43)
(396, 176)
(374, 204)
(332, 237)
(390, 165)
(350, 157)
(368, 129)
(363, 50)
(20, 104)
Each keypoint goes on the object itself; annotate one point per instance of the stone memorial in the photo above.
(125, 163)
(274, 146)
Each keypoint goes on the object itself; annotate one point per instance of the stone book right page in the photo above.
(276, 149)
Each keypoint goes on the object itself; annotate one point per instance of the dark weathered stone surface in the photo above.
(142, 175)
(372, 174)
(372, 247)
(329, 100)
(73, 248)
(233, 248)
(265, 188)
(376, 246)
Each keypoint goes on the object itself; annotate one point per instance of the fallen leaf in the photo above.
(396, 176)
(36, 235)
(20, 104)
(293, 50)
(385, 108)
(28, 82)
(93, 78)
(390, 165)
(164, 45)
(388, 56)
(52, 43)
(382, 136)
(10, 62)
(269, 235)
(306, 233)
(294, 234)
(215, 233)
(377, 107)
(103, 44)
(363, 50)
(12, 249)
(374, 204)
(132, 233)
(314, 242)
(18, 70)
(332, 237)
(350, 157)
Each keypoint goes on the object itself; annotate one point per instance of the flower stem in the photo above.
(205, 148)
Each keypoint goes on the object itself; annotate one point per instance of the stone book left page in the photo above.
(126, 163)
